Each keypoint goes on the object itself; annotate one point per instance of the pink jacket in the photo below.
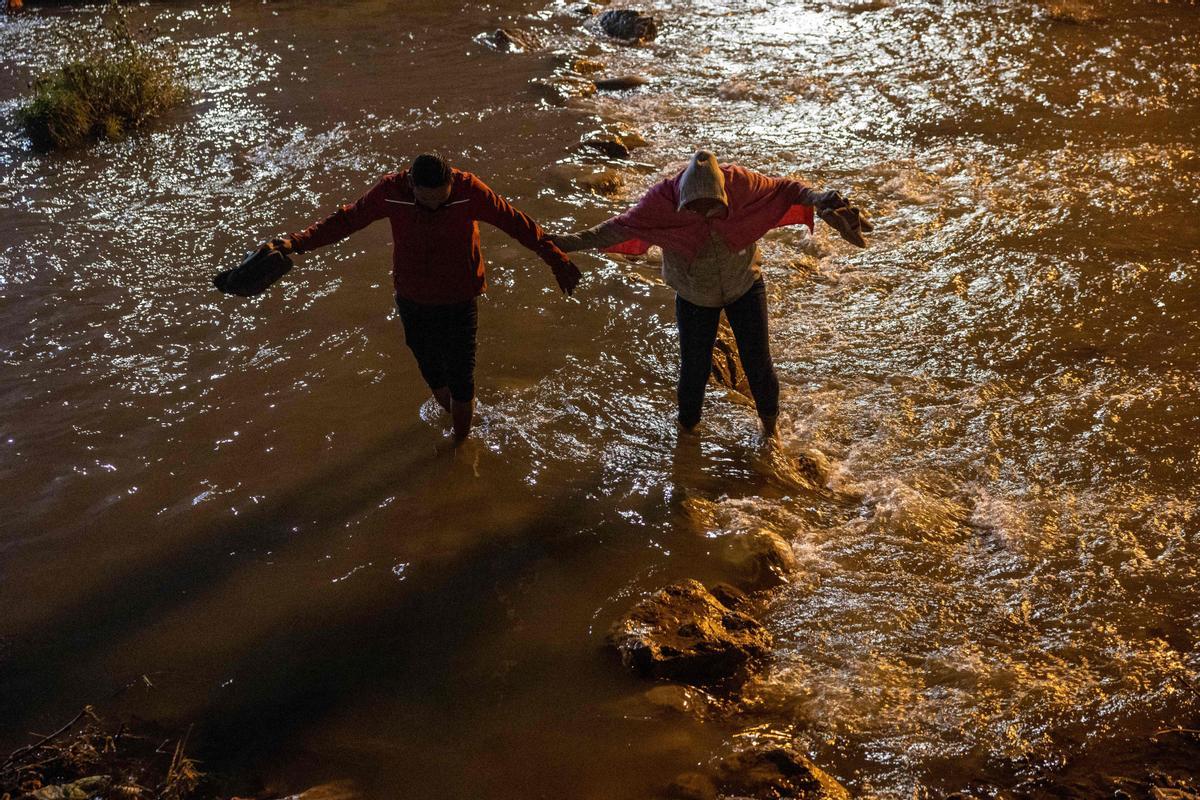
(757, 204)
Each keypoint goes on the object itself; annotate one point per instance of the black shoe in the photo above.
(255, 274)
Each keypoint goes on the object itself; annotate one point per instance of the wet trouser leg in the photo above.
(697, 335)
(748, 317)
(442, 339)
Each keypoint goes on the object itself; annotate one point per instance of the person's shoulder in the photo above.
(393, 178)
(745, 178)
(468, 180)
(738, 171)
(395, 185)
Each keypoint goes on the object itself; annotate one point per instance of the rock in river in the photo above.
(773, 771)
(628, 25)
(618, 82)
(683, 633)
(610, 144)
(760, 558)
(513, 40)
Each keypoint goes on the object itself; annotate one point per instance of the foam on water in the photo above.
(1002, 578)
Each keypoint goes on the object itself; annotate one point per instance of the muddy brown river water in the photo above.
(238, 514)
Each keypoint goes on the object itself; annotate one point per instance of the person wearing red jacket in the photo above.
(437, 266)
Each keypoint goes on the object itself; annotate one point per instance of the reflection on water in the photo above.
(241, 502)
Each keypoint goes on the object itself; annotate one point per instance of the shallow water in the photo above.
(238, 513)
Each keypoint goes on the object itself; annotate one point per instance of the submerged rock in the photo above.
(338, 790)
(628, 25)
(681, 700)
(611, 144)
(692, 786)
(684, 633)
(587, 66)
(606, 183)
(618, 82)
(772, 772)
(511, 40)
(760, 558)
(562, 88)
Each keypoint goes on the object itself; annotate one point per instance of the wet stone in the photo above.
(776, 771)
(729, 596)
(686, 700)
(587, 66)
(683, 633)
(610, 144)
(618, 82)
(606, 183)
(692, 786)
(760, 558)
(628, 25)
(562, 88)
(337, 790)
(510, 40)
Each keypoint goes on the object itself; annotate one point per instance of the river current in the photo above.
(243, 515)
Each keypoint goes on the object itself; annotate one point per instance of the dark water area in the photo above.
(244, 515)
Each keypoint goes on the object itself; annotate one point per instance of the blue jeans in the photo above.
(698, 333)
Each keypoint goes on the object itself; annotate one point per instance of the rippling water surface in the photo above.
(237, 513)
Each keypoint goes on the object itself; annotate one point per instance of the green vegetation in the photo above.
(117, 85)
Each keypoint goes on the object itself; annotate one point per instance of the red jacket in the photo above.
(435, 254)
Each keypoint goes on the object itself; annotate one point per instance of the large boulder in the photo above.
(775, 772)
(628, 25)
(683, 633)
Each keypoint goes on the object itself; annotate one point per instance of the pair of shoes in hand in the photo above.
(849, 221)
(256, 273)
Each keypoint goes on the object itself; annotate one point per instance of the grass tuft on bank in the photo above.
(114, 85)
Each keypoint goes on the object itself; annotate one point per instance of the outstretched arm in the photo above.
(495, 210)
(834, 209)
(341, 223)
(597, 237)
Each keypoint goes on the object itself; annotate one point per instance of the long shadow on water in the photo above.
(46, 663)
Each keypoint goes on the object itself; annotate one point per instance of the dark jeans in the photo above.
(442, 337)
(698, 332)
